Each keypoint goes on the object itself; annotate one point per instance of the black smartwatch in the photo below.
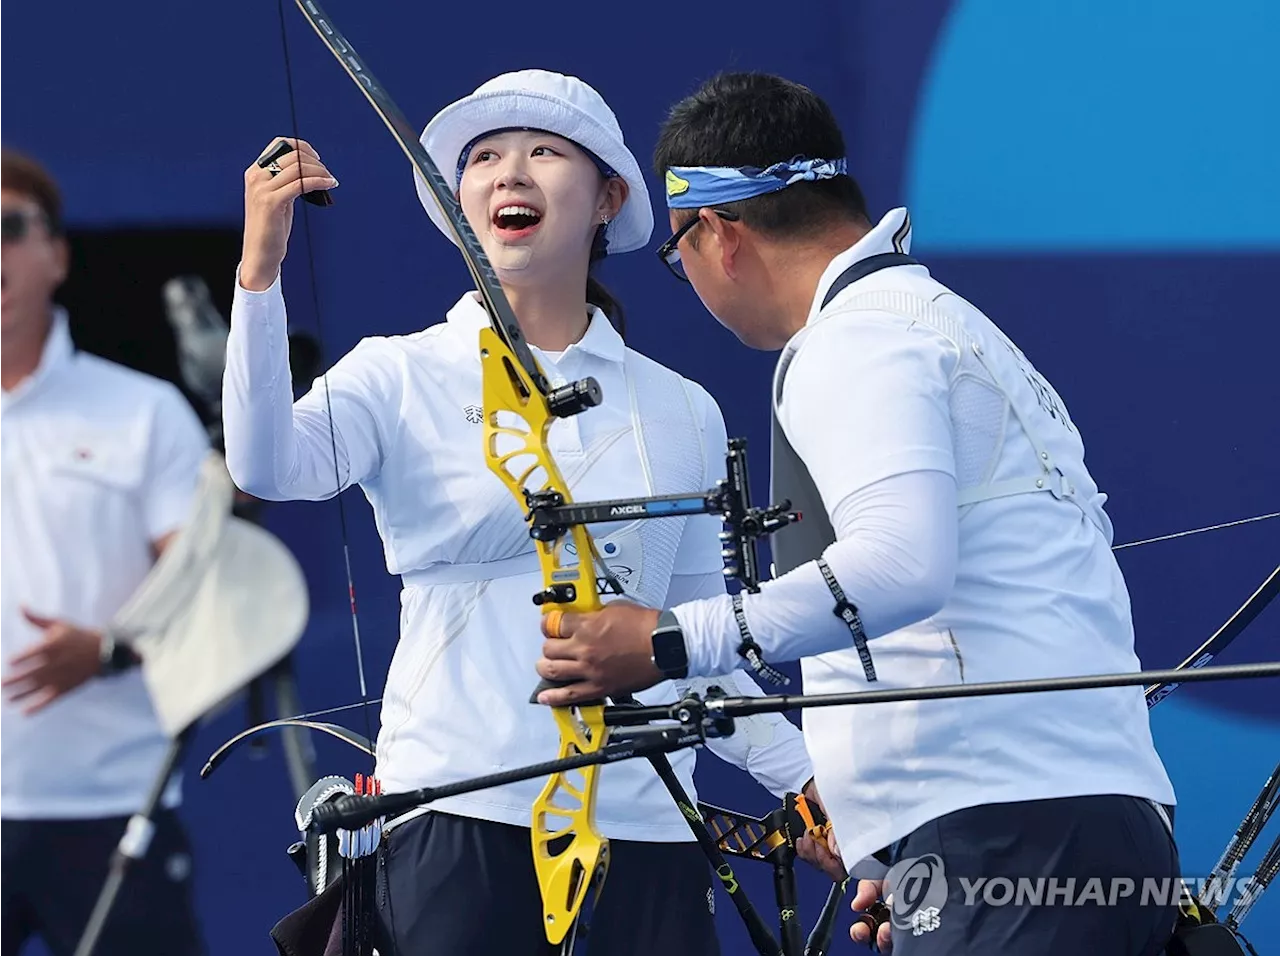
(669, 654)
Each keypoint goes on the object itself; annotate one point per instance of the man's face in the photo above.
(703, 270)
(729, 298)
(33, 264)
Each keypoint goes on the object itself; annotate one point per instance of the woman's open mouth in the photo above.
(515, 221)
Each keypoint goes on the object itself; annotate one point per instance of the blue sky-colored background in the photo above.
(1099, 176)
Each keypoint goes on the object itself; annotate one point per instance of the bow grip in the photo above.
(545, 684)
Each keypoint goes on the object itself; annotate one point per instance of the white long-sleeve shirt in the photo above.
(100, 462)
(406, 427)
(925, 431)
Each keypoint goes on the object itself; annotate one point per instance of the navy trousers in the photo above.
(54, 870)
(454, 886)
(1096, 875)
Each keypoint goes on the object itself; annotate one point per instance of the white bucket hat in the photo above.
(539, 99)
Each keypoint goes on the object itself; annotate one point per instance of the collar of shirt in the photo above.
(57, 352)
(601, 339)
(891, 234)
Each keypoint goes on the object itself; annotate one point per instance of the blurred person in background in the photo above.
(100, 468)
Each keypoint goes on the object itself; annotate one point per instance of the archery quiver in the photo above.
(340, 870)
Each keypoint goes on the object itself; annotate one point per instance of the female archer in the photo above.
(547, 183)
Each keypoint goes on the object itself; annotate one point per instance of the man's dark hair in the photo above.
(756, 119)
(22, 174)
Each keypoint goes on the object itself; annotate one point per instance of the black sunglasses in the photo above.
(670, 254)
(14, 226)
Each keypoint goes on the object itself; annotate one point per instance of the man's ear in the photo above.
(727, 239)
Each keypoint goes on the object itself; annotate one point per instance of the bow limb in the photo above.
(1223, 636)
(513, 382)
(518, 417)
(219, 756)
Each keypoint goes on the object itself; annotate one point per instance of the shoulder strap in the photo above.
(859, 270)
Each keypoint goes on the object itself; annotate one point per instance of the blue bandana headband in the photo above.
(692, 187)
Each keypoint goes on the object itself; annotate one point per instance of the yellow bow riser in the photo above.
(569, 853)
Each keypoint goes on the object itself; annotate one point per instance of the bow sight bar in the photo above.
(550, 517)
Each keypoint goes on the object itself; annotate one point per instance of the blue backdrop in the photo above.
(1097, 176)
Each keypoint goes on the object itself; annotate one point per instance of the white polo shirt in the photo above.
(972, 539)
(99, 461)
(407, 415)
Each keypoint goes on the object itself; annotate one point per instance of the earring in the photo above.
(604, 218)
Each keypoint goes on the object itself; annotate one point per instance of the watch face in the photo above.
(669, 652)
